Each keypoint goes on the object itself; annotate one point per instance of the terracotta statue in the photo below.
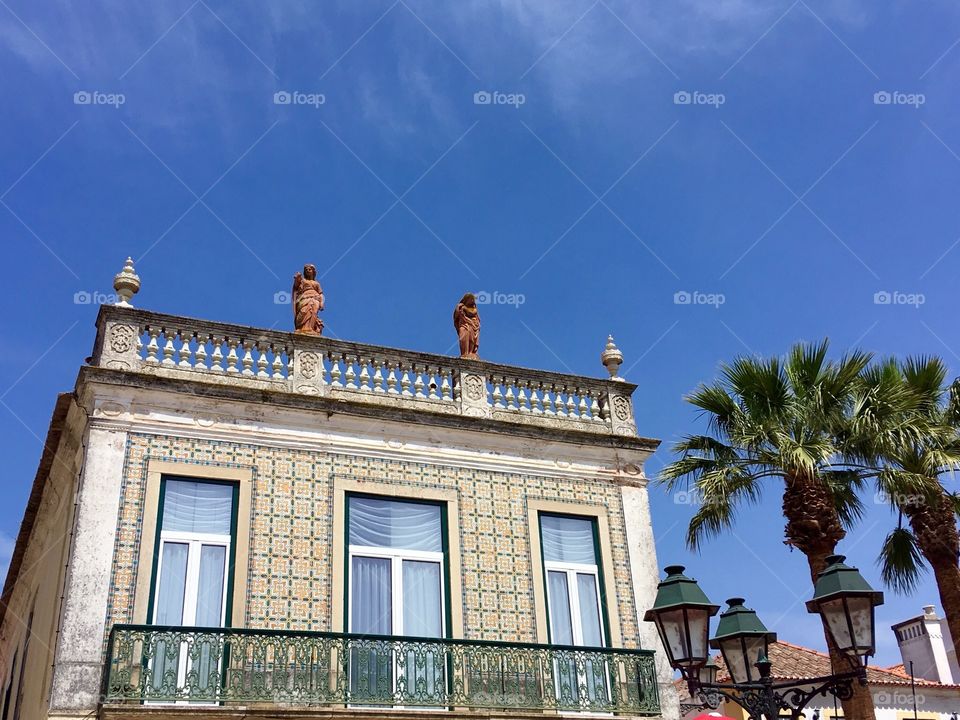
(466, 320)
(307, 297)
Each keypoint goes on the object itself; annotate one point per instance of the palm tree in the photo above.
(791, 420)
(912, 469)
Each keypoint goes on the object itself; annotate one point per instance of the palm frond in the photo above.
(901, 562)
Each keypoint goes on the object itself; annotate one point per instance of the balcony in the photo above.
(234, 358)
(242, 667)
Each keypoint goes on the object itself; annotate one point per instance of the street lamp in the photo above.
(846, 603)
(742, 640)
(682, 615)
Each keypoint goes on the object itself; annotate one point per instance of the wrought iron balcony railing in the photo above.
(154, 664)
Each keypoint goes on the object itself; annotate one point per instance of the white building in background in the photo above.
(926, 644)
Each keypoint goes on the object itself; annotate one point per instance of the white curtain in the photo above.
(387, 523)
(210, 586)
(422, 618)
(173, 583)
(561, 628)
(589, 610)
(371, 609)
(371, 602)
(197, 507)
(421, 599)
(567, 539)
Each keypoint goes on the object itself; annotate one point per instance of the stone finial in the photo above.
(612, 358)
(126, 283)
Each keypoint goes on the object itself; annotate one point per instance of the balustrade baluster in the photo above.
(247, 348)
(184, 355)
(377, 374)
(392, 377)
(418, 384)
(497, 395)
(535, 407)
(558, 403)
(509, 397)
(277, 367)
(571, 406)
(216, 360)
(335, 371)
(350, 376)
(445, 389)
(365, 373)
(232, 356)
(168, 347)
(262, 360)
(595, 408)
(200, 356)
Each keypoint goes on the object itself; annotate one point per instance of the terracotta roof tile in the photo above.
(792, 662)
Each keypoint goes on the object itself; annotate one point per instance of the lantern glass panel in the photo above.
(740, 653)
(673, 625)
(834, 611)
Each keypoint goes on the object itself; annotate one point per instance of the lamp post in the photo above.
(682, 612)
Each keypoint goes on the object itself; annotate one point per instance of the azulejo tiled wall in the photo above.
(290, 564)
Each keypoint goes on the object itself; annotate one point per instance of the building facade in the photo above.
(235, 521)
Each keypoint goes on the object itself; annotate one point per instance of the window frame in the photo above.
(604, 549)
(148, 510)
(447, 498)
(195, 542)
(572, 570)
(397, 557)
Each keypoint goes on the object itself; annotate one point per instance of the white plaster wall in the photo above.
(77, 672)
(643, 568)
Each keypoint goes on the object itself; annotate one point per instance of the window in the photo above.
(396, 560)
(194, 553)
(192, 578)
(571, 566)
(573, 586)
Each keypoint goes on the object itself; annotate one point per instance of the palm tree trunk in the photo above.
(935, 527)
(814, 528)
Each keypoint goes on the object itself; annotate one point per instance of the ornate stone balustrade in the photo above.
(140, 341)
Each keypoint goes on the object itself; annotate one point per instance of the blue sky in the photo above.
(789, 169)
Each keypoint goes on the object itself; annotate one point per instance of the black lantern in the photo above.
(846, 603)
(682, 615)
(742, 640)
